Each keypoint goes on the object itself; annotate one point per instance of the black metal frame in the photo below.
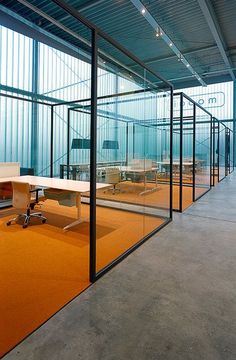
(93, 196)
(219, 154)
(215, 130)
(96, 32)
(231, 161)
(193, 119)
(216, 124)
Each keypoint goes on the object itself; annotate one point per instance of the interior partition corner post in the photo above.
(234, 123)
(93, 151)
(211, 154)
(181, 155)
(218, 152)
(213, 150)
(171, 151)
(133, 140)
(127, 144)
(51, 141)
(68, 145)
(194, 150)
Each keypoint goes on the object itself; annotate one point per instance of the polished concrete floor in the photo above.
(173, 298)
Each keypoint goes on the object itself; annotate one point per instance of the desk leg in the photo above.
(78, 209)
(74, 173)
(61, 171)
(145, 185)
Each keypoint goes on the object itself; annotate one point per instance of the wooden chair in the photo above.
(22, 201)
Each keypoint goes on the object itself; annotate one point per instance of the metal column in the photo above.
(234, 122)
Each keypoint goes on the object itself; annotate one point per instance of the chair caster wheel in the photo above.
(43, 221)
(8, 223)
(24, 226)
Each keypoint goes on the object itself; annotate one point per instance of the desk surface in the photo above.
(131, 169)
(63, 184)
(185, 163)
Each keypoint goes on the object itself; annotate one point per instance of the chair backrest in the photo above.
(141, 164)
(9, 169)
(112, 175)
(21, 195)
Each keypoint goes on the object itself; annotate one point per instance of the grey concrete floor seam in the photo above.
(208, 217)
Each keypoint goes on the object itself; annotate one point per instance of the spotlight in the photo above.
(143, 11)
(159, 32)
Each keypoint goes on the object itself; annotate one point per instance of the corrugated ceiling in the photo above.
(182, 20)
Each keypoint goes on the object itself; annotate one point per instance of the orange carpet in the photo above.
(130, 194)
(42, 268)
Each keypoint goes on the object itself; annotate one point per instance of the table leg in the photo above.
(73, 173)
(145, 186)
(61, 171)
(78, 209)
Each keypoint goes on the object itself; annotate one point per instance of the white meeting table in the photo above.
(77, 187)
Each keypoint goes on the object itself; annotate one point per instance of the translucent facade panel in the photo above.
(62, 76)
(15, 67)
(15, 130)
(216, 98)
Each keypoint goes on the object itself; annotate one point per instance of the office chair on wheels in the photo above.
(112, 176)
(22, 200)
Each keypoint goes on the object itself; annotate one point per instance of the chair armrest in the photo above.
(37, 193)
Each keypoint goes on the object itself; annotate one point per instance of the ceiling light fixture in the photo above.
(159, 33)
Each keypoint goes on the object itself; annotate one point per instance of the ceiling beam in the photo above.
(187, 52)
(163, 35)
(213, 24)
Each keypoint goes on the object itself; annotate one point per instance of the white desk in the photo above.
(143, 172)
(69, 185)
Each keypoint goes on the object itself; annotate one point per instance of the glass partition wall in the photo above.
(192, 145)
(203, 145)
(94, 119)
(226, 153)
(223, 156)
(215, 152)
(108, 125)
(222, 153)
(130, 141)
(231, 151)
